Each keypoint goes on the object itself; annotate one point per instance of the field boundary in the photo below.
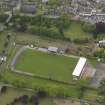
(21, 50)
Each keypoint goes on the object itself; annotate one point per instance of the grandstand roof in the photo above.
(79, 67)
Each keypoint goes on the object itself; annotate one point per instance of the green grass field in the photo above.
(53, 88)
(47, 102)
(75, 31)
(47, 65)
(11, 94)
(90, 95)
(2, 41)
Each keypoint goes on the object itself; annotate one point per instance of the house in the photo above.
(101, 43)
(28, 8)
(7, 5)
(1, 27)
(3, 58)
(53, 49)
(79, 69)
(42, 49)
(44, 1)
(94, 16)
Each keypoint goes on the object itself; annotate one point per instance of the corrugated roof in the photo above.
(54, 49)
(79, 67)
(102, 41)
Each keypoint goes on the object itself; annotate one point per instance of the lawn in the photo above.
(75, 31)
(11, 94)
(53, 88)
(47, 65)
(2, 41)
(91, 95)
(47, 101)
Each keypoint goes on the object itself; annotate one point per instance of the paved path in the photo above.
(17, 55)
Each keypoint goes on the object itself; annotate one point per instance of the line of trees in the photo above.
(3, 18)
(53, 28)
(25, 99)
(41, 25)
(100, 53)
(94, 29)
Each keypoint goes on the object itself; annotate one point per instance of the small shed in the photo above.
(28, 8)
(3, 58)
(44, 1)
(1, 27)
(53, 49)
(101, 43)
(42, 49)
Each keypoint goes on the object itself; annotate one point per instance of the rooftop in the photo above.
(79, 67)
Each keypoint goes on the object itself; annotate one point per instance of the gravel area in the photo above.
(99, 75)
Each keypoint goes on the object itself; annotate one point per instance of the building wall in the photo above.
(82, 73)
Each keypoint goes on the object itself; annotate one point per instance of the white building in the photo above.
(44, 1)
(101, 43)
(3, 58)
(42, 49)
(52, 49)
(80, 68)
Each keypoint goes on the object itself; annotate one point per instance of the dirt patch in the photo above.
(89, 71)
(99, 75)
(66, 102)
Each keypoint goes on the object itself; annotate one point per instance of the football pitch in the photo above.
(50, 66)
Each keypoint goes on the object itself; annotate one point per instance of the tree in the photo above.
(41, 94)
(52, 32)
(81, 85)
(54, 3)
(64, 21)
(3, 52)
(3, 17)
(24, 99)
(3, 89)
(35, 100)
(6, 44)
(8, 37)
(100, 53)
(22, 27)
(81, 91)
(87, 27)
(101, 91)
